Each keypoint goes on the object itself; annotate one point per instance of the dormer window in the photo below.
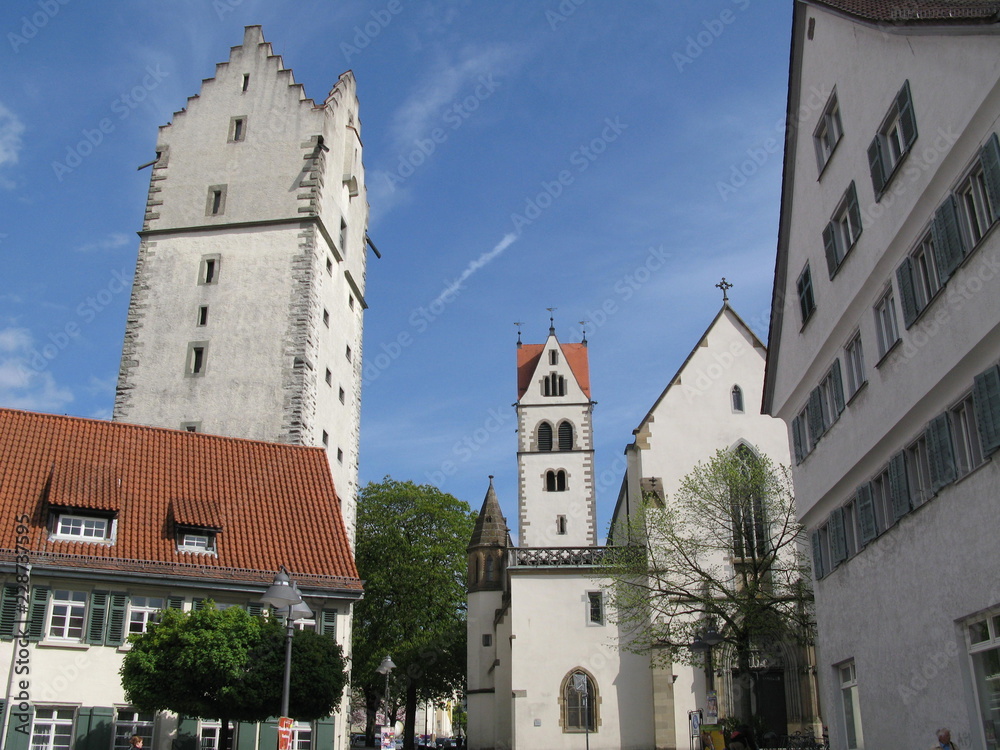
(190, 539)
(77, 526)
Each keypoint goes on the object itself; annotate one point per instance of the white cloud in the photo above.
(11, 129)
(449, 81)
(111, 242)
(22, 385)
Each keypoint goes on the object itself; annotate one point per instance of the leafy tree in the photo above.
(411, 553)
(725, 552)
(229, 665)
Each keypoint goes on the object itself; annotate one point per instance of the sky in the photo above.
(610, 160)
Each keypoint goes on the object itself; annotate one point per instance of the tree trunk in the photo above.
(372, 700)
(223, 733)
(411, 714)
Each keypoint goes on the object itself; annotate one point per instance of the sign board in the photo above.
(712, 708)
(388, 738)
(285, 733)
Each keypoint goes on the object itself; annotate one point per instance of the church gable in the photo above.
(552, 370)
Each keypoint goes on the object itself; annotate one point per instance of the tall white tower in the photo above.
(555, 452)
(246, 310)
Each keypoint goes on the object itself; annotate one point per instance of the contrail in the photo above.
(508, 240)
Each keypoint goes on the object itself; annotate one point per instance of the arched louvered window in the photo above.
(565, 436)
(544, 436)
(737, 399)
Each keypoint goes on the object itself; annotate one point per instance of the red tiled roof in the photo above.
(275, 504)
(527, 361)
(918, 11)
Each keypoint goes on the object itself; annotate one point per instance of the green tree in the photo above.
(410, 552)
(229, 665)
(724, 553)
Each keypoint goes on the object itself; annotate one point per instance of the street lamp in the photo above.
(283, 593)
(385, 668)
(704, 642)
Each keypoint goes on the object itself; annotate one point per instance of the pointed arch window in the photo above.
(474, 575)
(544, 436)
(737, 399)
(746, 501)
(565, 436)
(579, 702)
(490, 569)
(555, 481)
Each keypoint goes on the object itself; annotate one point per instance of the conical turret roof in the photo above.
(491, 527)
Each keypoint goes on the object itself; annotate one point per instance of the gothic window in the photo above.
(579, 702)
(474, 573)
(565, 436)
(746, 501)
(554, 385)
(737, 399)
(544, 436)
(490, 569)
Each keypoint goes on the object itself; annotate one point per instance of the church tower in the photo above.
(555, 452)
(246, 310)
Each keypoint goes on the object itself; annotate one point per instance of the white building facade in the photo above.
(537, 624)
(884, 345)
(713, 403)
(247, 306)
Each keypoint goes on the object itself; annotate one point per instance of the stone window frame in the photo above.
(216, 206)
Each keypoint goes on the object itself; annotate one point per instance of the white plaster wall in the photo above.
(555, 602)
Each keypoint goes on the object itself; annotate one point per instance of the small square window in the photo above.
(487, 640)
(208, 269)
(238, 129)
(203, 315)
(329, 377)
(341, 395)
(216, 205)
(191, 426)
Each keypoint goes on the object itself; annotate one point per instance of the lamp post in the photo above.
(284, 594)
(385, 668)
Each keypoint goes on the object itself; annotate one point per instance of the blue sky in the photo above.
(609, 160)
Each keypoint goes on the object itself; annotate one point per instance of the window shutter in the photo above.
(255, 608)
(907, 120)
(96, 617)
(899, 488)
(36, 612)
(838, 386)
(797, 439)
(904, 275)
(838, 537)
(866, 514)
(565, 436)
(940, 452)
(544, 436)
(816, 426)
(990, 158)
(948, 244)
(93, 727)
(830, 246)
(116, 618)
(197, 604)
(8, 612)
(328, 622)
(175, 602)
(854, 210)
(875, 165)
(986, 397)
(817, 556)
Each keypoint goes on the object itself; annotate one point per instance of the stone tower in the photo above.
(246, 311)
(555, 452)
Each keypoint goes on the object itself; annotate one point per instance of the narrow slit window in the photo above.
(238, 130)
(342, 395)
(208, 272)
(340, 456)
(329, 377)
(326, 439)
(246, 81)
(203, 315)
(216, 205)
(197, 360)
(326, 317)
